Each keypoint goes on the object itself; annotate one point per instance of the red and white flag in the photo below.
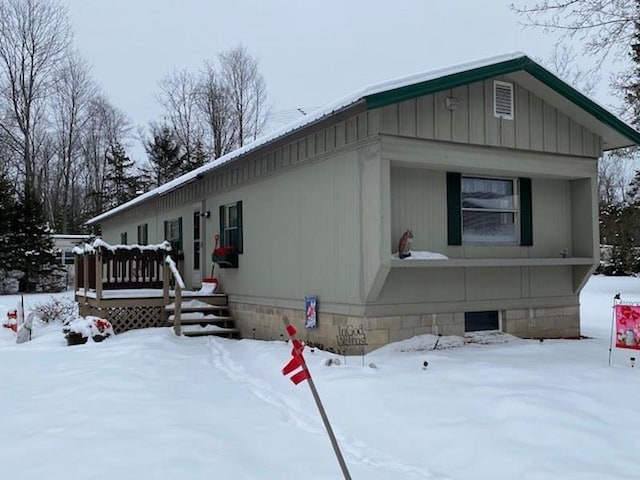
(297, 363)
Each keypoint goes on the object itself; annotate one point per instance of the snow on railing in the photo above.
(99, 243)
(174, 270)
(177, 313)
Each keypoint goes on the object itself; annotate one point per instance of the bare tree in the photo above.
(247, 93)
(106, 126)
(34, 38)
(72, 94)
(215, 109)
(603, 27)
(178, 95)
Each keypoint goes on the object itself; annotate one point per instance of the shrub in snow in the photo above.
(80, 329)
(9, 281)
(56, 310)
(56, 281)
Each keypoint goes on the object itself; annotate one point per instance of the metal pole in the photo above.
(613, 321)
(323, 414)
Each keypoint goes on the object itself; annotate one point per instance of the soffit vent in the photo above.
(503, 100)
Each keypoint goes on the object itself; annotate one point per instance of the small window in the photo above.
(231, 226)
(173, 234)
(143, 234)
(123, 238)
(503, 100)
(480, 321)
(196, 240)
(489, 211)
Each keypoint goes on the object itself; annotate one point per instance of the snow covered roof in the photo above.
(616, 133)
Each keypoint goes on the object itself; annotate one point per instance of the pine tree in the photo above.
(632, 88)
(33, 251)
(122, 182)
(164, 156)
(7, 206)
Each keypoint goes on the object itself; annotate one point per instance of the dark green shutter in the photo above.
(223, 240)
(526, 217)
(180, 234)
(239, 210)
(454, 209)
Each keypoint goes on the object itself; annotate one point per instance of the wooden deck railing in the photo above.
(103, 267)
(179, 286)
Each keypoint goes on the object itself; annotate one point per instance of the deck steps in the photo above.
(205, 315)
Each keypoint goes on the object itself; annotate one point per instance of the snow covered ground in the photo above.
(148, 405)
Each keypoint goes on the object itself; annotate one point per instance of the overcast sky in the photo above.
(310, 53)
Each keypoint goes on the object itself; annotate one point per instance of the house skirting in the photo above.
(352, 335)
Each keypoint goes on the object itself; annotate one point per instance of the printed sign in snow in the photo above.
(628, 326)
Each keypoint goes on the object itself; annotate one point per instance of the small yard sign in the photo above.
(310, 312)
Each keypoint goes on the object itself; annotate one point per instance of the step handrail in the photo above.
(179, 286)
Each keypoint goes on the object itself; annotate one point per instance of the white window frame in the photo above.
(515, 210)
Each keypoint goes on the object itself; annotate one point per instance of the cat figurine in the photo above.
(404, 246)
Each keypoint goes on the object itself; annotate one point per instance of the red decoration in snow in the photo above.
(297, 360)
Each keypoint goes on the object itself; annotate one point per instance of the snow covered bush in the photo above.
(56, 310)
(55, 281)
(80, 329)
(9, 281)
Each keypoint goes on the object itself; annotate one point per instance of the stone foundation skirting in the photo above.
(355, 335)
(554, 322)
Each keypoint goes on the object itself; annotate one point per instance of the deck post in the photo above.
(99, 274)
(165, 289)
(177, 313)
(85, 259)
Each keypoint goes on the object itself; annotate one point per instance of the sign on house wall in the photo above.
(310, 312)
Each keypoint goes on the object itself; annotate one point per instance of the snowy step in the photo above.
(199, 317)
(196, 305)
(198, 331)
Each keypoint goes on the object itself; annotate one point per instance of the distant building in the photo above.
(64, 245)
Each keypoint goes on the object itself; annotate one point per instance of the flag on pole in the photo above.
(628, 326)
(297, 360)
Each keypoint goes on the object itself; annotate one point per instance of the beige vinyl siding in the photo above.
(299, 231)
(536, 125)
(432, 290)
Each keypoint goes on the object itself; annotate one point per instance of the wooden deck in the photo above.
(140, 287)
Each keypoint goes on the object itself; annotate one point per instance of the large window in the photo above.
(494, 211)
(489, 210)
(231, 226)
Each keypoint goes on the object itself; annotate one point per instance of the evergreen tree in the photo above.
(197, 158)
(33, 252)
(7, 206)
(632, 87)
(164, 156)
(122, 182)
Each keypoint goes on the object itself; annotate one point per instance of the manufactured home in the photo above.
(492, 165)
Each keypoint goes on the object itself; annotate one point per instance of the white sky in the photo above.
(310, 53)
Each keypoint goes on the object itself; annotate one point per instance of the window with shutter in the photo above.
(485, 210)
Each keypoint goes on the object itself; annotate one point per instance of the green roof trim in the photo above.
(478, 74)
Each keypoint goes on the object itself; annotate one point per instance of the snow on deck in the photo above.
(141, 293)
